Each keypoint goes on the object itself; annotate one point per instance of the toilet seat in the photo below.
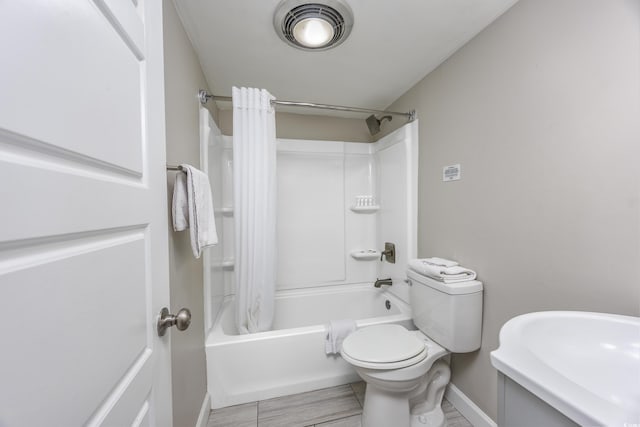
(383, 347)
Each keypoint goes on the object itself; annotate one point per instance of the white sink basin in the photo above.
(585, 365)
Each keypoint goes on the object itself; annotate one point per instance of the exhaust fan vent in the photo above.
(313, 26)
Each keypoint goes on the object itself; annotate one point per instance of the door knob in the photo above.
(182, 320)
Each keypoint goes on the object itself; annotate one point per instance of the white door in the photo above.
(83, 214)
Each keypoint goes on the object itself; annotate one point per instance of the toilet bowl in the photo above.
(405, 371)
(394, 363)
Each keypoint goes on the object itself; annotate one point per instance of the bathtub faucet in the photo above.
(380, 282)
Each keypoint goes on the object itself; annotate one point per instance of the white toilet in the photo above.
(405, 372)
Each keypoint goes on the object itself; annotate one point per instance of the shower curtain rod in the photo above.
(204, 97)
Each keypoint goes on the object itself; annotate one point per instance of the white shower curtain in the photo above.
(254, 192)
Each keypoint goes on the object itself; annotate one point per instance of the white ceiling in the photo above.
(393, 45)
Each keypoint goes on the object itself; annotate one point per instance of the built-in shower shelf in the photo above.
(365, 209)
(366, 255)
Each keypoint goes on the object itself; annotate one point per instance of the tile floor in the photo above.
(339, 406)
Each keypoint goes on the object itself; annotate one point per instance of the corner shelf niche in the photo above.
(366, 255)
(365, 209)
(365, 204)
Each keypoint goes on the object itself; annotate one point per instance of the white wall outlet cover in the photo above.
(451, 173)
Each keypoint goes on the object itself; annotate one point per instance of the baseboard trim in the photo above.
(203, 417)
(467, 408)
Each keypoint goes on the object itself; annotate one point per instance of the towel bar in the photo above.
(174, 168)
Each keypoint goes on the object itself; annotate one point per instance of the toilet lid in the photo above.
(382, 344)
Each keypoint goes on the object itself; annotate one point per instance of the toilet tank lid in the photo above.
(459, 288)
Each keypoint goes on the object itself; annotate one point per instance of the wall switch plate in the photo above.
(451, 173)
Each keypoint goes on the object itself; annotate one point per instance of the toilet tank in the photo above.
(449, 314)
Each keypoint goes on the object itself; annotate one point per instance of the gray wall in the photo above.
(542, 109)
(183, 78)
(302, 126)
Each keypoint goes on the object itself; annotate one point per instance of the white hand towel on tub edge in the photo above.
(337, 331)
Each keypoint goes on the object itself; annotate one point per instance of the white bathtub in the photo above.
(291, 358)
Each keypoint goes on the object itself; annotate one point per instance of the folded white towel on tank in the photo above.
(452, 274)
(337, 331)
(440, 261)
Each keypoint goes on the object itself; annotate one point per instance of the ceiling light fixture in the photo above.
(313, 26)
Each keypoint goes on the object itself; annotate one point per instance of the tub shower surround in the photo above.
(334, 199)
